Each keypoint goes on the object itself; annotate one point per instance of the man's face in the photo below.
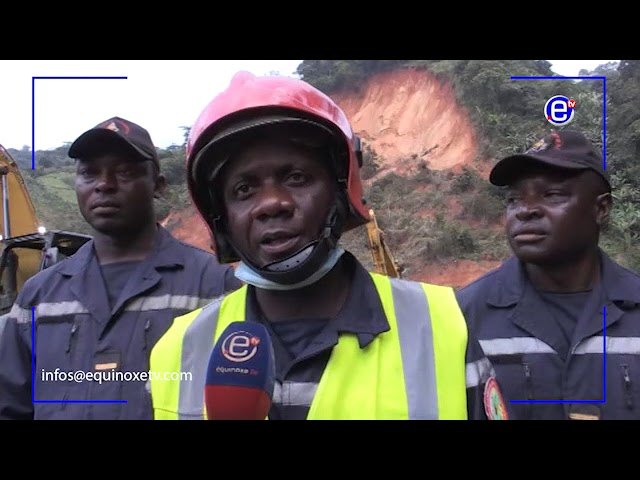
(115, 192)
(554, 216)
(277, 198)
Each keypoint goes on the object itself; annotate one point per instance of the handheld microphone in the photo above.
(241, 374)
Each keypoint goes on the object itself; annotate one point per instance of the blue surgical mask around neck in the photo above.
(247, 275)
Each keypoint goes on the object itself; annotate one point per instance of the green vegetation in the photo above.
(435, 215)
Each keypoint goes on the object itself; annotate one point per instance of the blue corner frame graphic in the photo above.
(604, 166)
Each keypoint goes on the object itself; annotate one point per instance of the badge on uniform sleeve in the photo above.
(494, 405)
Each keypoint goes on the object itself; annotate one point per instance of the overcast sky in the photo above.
(160, 95)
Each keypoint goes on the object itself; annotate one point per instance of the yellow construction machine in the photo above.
(26, 247)
(383, 261)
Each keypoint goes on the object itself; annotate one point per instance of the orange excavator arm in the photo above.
(17, 215)
(383, 261)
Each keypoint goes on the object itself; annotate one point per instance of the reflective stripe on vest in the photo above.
(416, 370)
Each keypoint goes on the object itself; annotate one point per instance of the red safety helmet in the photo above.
(251, 102)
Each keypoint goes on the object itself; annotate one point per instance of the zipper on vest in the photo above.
(147, 326)
(627, 386)
(63, 404)
(69, 351)
(529, 389)
(529, 382)
(72, 336)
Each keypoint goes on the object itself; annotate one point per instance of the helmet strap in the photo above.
(302, 264)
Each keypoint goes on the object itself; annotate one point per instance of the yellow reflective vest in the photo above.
(416, 370)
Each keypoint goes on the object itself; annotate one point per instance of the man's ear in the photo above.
(603, 208)
(160, 186)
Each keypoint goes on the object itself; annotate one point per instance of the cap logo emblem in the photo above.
(115, 126)
(539, 146)
(551, 141)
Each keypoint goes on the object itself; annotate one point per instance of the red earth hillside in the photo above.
(407, 113)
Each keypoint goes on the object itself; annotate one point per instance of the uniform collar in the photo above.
(162, 256)
(362, 313)
(618, 283)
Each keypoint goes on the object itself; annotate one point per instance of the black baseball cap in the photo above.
(115, 131)
(566, 149)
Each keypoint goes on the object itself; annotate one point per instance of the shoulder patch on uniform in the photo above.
(494, 405)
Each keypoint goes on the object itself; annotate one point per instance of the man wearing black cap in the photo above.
(545, 316)
(99, 313)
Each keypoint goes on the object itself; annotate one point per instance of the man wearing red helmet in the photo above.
(273, 168)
